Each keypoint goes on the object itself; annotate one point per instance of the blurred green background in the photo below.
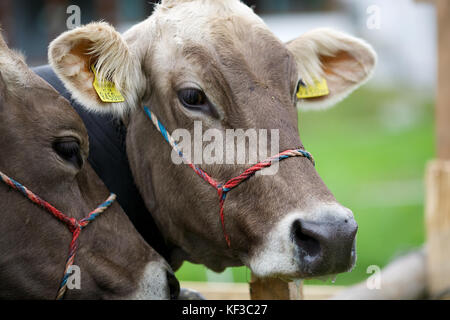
(371, 151)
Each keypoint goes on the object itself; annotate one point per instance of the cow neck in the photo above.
(108, 158)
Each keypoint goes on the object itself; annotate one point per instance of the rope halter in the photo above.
(75, 226)
(224, 188)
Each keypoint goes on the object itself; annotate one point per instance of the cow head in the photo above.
(216, 62)
(44, 145)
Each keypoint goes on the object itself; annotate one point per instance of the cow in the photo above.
(217, 63)
(44, 149)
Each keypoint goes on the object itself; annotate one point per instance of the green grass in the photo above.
(371, 151)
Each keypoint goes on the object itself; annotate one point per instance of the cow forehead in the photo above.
(203, 10)
(195, 21)
(225, 35)
(36, 99)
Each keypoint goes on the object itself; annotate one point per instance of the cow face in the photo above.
(216, 63)
(44, 145)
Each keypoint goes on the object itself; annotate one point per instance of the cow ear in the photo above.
(14, 72)
(2, 90)
(74, 56)
(345, 62)
(3, 48)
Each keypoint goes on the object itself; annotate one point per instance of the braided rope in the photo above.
(75, 226)
(223, 189)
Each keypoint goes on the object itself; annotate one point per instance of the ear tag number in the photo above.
(318, 89)
(106, 90)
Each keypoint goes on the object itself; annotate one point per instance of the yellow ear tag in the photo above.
(106, 90)
(318, 89)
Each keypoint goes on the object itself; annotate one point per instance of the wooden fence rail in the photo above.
(241, 291)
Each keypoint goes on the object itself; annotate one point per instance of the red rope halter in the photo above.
(223, 189)
(75, 226)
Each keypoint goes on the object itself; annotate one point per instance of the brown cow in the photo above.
(216, 62)
(44, 145)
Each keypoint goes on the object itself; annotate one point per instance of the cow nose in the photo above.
(174, 285)
(325, 247)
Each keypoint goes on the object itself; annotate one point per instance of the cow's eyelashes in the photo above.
(68, 148)
(192, 98)
(196, 100)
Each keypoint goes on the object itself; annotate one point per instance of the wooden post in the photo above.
(275, 289)
(438, 228)
(438, 171)
(443, 88)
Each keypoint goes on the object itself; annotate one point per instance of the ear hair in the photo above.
(73, 52)
(2, 40)
(13, 68)
(171, 3)
(2, 89)
(344, 61)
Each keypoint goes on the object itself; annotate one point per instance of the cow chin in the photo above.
(306, 245)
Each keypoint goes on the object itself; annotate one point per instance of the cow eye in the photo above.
(192, 98)
(196, 100)
(69, 150)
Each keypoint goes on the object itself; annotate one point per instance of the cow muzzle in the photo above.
(308, 245)
(324, 248)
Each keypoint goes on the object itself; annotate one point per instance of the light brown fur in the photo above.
(250, 77)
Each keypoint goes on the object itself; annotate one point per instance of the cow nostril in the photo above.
(305, 241)
(174, 286)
